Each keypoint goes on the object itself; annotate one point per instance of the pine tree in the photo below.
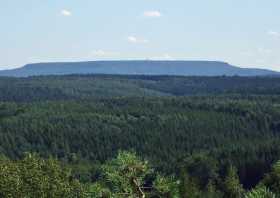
(189, 188)
(272, 180)
(127, 176)
(260, 192)
(232, 186)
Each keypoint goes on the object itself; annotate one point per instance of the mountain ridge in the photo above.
(137, 67)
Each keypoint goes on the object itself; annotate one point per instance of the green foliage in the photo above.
(163, 130)
(128, 176)
(98, 190)
(232, 186)
(34, 177)
(189, 187)
(272, 180)
(84, 120)
(124, 176)
(199, 177)
(69, 87)
(260, 192)
(212, 191)
(166, 186)
(202, 169)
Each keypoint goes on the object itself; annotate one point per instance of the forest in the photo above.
(86, 87)
(140, 136)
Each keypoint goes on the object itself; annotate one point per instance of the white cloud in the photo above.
(66, 12)
(163, 57)
(103, 53)
(153, 13)
(133, 39)
(274, 33)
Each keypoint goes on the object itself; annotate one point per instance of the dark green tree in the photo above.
(232, 186)
(272, 180)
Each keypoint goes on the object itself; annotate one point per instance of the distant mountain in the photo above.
(181, 68)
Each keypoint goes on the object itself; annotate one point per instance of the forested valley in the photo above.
(140, 136)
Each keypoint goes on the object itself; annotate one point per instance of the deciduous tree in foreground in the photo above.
(34, 177)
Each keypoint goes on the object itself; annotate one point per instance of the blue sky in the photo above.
(241, 32)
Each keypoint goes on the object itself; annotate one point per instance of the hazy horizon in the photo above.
(241, 33)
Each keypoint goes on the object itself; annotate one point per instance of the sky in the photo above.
(244, 33)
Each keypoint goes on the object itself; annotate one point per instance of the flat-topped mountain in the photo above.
(181, 68)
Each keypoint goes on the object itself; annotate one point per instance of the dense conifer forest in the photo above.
(42, 88)
(141, 136)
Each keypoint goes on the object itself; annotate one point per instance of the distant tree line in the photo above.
(87, 87)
